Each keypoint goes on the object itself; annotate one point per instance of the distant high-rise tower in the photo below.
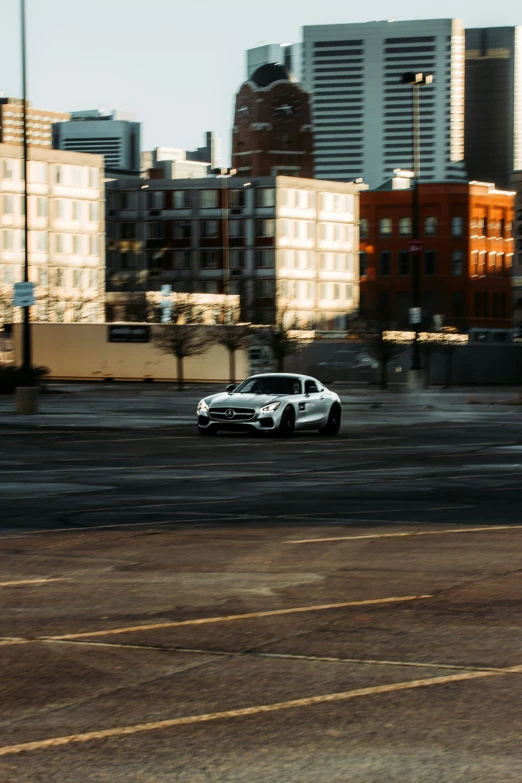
(272, 131)
(361, 112)
(288, 55)
(493, 119)
(116, 136)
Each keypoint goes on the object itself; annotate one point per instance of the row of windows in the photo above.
(489, 306)
(61, 174)
(75, 244)
(304, 289)
(309, 259)
(186, 199)
(492, 264)
(55, 276)
(66, 209)
(386, 227)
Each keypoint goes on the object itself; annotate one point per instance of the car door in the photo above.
(313, 404)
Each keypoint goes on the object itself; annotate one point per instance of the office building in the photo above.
(272, 131)
(176, 163)
(116, 136)
(39, 123)
(493, 127)
(279, 242)
(288, 55)
(516, 180)
(362, 113)
(66, 234)
(466, 262)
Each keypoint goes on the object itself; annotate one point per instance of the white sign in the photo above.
(23, 295)
(415, 315)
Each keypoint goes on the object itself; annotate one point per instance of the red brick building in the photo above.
(465, 267)
(273, 133)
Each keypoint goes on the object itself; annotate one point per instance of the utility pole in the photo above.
(26, 324)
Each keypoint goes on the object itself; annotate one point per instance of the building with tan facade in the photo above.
(39, 123)
(66, 234)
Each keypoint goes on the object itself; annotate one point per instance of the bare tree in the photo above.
(373, 328)
(233, 337)
(182, 336)
(283, 337)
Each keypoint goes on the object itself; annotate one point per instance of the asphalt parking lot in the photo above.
(177, 608)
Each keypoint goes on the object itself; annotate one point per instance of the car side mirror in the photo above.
(231, 387)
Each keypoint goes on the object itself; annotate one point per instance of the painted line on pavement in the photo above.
(310, 701)
(407, 533)
(33, 582)
(232, 617)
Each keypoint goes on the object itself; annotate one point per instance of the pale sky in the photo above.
(178, 63)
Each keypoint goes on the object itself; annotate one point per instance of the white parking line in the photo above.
(407, 534)
(310, 701)
(33, 582)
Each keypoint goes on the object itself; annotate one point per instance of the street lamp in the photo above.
(416, 80)
(224, 174)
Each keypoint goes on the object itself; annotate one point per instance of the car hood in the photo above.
(243, 400)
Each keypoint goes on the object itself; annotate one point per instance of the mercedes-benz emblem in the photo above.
(229, 413)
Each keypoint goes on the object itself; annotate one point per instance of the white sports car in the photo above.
(273, 402)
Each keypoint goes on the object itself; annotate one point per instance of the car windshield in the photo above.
(270, 384)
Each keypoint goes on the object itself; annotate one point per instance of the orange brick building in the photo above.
(465, 264)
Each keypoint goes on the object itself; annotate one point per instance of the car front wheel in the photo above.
(333, 425)
(287, 423)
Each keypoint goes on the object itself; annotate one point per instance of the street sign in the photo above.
(125, 333)
(415, 246)
(23, 295)
(415, 315)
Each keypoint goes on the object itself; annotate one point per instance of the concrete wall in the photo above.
(472, 364)
(82, 351)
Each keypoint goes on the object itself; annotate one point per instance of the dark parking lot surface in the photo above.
(177, 608)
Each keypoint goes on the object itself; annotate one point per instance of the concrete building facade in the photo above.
(116, 136)
(362, 113)
(39, 123)
(466, 264)
(66, 234)
(493, 118)
(284, 244)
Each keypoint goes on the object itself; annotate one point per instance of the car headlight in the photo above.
(273, 406)
(202, 407)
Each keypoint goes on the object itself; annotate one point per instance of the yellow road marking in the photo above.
(121, 731)
(32, 582)
(231, 617)
(407, 533)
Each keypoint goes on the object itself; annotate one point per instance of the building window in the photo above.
(94, 246)
(128, 199)
(181, 199)
(430, 259)
(236, 228)
(182, 229)
(265, 259)
(482, 263)
(94, 211)
(265, 288)
(154, 230)
(59, 243)
(128, 230)
(94, 178)
(43, 276)
(474, 263)
(481, 226)
(384, 263)
(209, 259)
(8, 171)
(265, 228)
(457, 226)
(77, 245)
(8, 205)
(430, 226)
(77, 210)
(155, 199)
(209, 199)
(500, 264)
(502, 228)
(182, 258)
(457, 263)
(405, 227)
(209, 229)
(77, 278)
(237, 259)
(40, 241)
(41, 207)
(385, 227)
(58, 278)
(363, 263)
(457, 304)
(236, 198)
(404, 262)
(363, 228)
(265, 197)
(492, 264)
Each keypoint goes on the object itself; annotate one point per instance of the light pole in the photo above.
(224, 174)
(26, 325)
(416, 80)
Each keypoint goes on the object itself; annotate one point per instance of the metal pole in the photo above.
(26, 325)
(226, 249)
(415, 228)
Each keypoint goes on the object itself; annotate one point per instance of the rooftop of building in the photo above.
(50, 155)
(269, 73)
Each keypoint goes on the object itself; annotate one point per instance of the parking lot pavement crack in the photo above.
(446, 591)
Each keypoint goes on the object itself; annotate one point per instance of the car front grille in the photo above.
(232, 414)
